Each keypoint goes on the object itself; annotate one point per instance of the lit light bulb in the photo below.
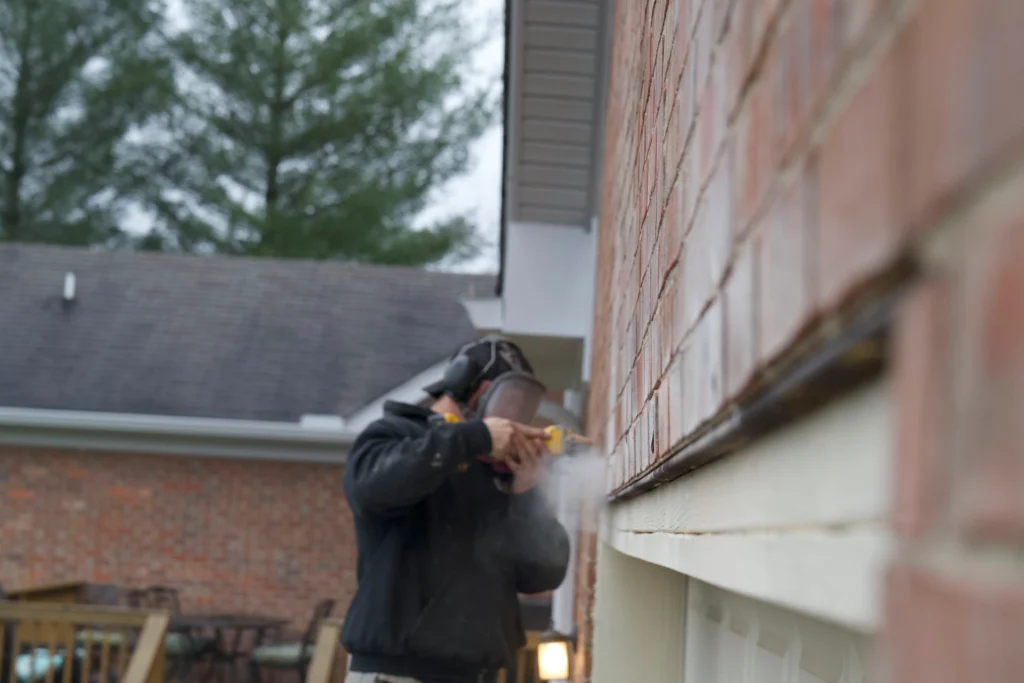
(553, 660)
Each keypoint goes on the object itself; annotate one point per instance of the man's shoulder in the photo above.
(407, 411)
(399, 419)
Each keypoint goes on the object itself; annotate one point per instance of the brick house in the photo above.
(184, 420)
(777, 249)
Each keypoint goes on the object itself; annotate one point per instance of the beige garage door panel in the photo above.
(732, 639)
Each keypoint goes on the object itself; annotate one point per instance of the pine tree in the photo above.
(77, 77)
(317, 128)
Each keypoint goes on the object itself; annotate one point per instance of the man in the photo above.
(450, 529)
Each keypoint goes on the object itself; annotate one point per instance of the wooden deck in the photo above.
(63, 643)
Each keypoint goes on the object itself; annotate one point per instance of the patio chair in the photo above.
(163, 597)
(181, 648)
(292, 656)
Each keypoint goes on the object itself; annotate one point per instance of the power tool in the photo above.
(561, 439)
(564, 441)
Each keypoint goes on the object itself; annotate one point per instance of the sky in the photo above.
(479, 190)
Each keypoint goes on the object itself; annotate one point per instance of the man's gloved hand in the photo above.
(520, 447)
(509, 439)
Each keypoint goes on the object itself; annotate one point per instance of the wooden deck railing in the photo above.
(330, 661)
(54, 643)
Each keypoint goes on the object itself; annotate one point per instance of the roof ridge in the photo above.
(235, 259)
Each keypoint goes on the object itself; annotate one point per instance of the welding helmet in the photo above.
(491, 358)
(514, 396)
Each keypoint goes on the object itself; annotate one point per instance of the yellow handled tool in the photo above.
(561, 439)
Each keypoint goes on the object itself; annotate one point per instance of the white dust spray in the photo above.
(577, 483)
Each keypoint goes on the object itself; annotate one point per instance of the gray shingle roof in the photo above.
(240, 338)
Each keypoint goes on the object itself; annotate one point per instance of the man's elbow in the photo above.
(367, 494)
(542, 578)
(546, 573)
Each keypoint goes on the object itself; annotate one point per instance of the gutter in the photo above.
(506, 108)
(203, 437)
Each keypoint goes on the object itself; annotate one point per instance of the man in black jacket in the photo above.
(450, 529)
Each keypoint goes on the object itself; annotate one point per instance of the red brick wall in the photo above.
(233, 535)
(769, 162)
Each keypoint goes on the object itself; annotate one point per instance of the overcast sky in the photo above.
(479, 190)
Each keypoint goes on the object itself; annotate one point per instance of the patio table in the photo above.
(229, 631)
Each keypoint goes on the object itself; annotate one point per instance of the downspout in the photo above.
(563, 608)
(563, 616)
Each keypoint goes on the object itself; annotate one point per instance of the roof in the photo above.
(219, 337)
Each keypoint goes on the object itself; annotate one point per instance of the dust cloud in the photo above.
(577, 483)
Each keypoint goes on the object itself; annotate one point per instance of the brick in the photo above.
(651, 443)
(697, 285)
(754, 151)
(785, 281)
(719, 221)
(764, 13)
(676, 427)
(667, 331)
(824, 23)
(677, 43)
(199, 533)
(705, 134)
(860, 229)
(953, 630)
(720, 12)
(737, 52)
(657, 349)
(791, 78)
(851, 20)
(921, 367)
(673, 229)
(709, 372)
(702, 46)
(663, 418)
(740, 322)
(964, 107)
(20, 494)
(690, 367)
(990, 450)
(686, 99)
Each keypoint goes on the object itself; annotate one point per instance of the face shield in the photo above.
(514, 396)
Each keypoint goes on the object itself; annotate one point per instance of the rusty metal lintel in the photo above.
(828, 369)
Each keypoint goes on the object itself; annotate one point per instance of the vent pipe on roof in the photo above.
(69, 288)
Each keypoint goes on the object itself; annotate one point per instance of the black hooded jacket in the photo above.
(444, 551)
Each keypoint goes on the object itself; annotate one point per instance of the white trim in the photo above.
(248, 439)
(797, 518)
(832, 575)
(639, 621)
(407, 392)
(487, 315)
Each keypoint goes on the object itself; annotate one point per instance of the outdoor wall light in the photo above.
(553, 652)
